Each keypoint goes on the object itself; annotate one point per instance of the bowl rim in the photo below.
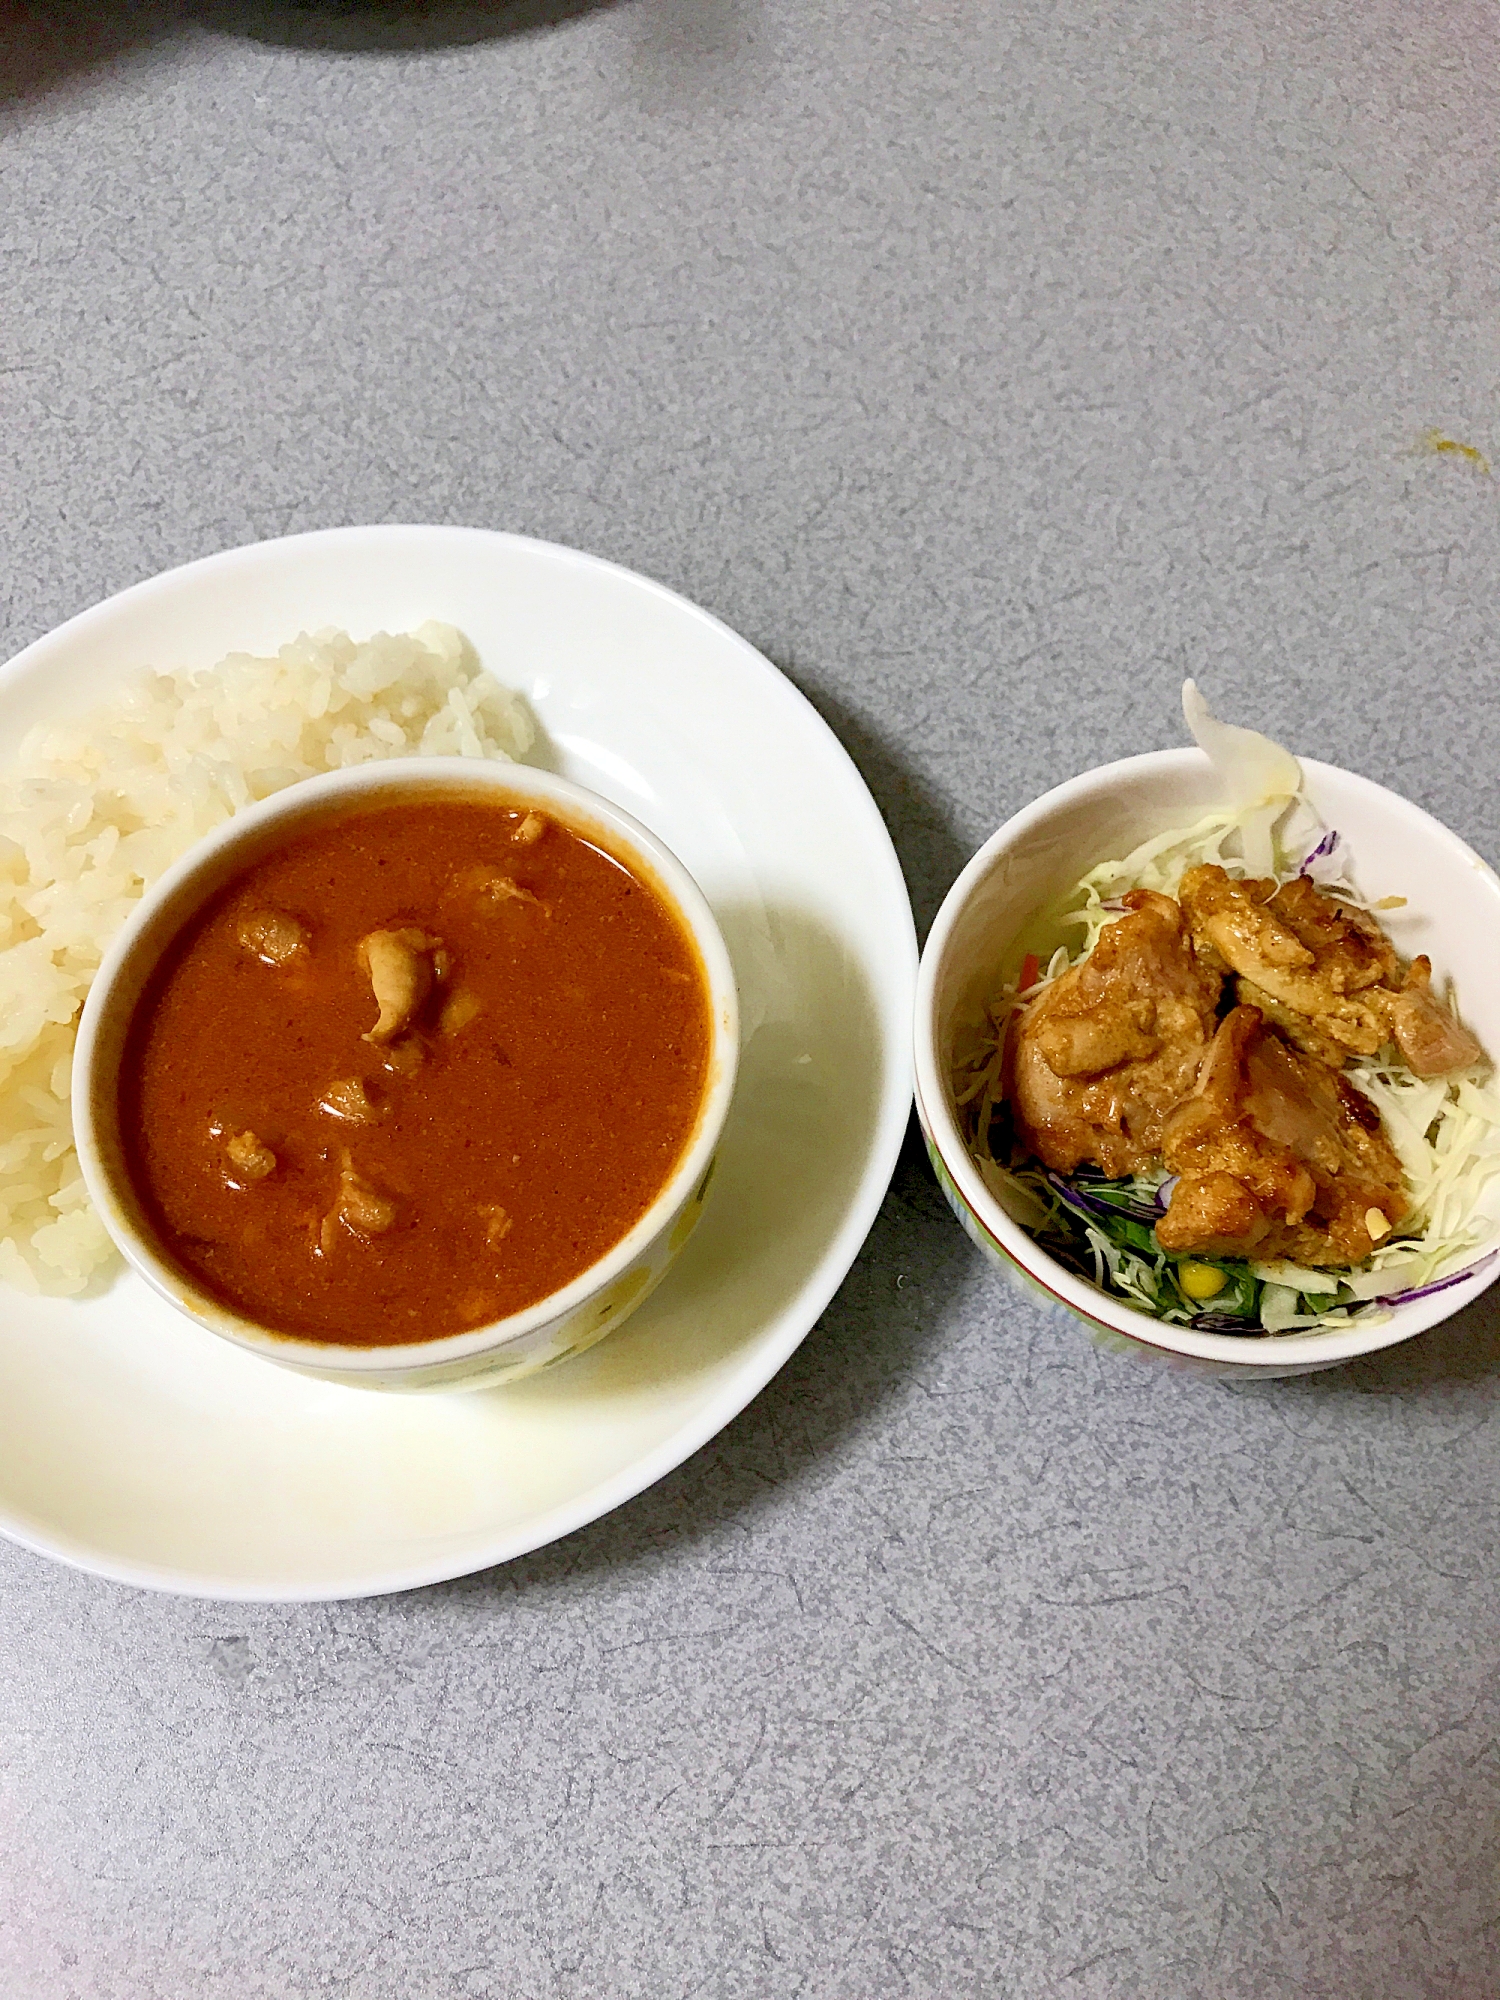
(211, 857)
(936, 1114)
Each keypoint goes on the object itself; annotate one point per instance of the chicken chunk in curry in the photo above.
(365, 1105)
(403, 967)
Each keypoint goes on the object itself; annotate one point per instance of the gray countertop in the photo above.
(990, 368)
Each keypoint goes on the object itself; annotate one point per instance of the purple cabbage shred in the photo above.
(1092, 1204)
(1228, 1323)
(1438, 1284)
(1321, 852)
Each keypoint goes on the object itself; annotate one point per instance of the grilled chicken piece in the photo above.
(1216, 1215)
(1302, 1033)
(1277, 1155)
(1099, 1058)
(1324, 973)
(403, 967)
(1424, 1031)
(1350, 947)
(1307, 952)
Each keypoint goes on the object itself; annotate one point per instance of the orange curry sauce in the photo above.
(540, 1057)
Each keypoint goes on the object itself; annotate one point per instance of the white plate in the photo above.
(141, 1448)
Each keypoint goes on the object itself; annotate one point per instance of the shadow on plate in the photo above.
(856, 1358)
(45, 44)
(874, 1330)
(797, 1145)
(930, 850)
(795, 1148)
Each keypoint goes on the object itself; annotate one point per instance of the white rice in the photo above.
(98, 806)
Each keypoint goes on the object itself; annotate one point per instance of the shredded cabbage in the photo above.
(1445, 1130)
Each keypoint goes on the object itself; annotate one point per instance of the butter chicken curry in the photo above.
(414, 1071)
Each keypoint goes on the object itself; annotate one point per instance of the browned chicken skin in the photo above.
(1277, 1156)
(1302, 1033)
(1424, 1031)
(1307, 953)
(1323, 972)
(1096, 1062)
(1121, 1063)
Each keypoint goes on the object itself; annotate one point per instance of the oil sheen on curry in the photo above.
(414, 1072)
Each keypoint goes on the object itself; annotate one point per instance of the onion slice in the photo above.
(1253, 770)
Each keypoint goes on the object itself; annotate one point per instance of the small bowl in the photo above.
(1453, 914)
(565, 1322)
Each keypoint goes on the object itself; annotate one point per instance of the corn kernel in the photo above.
(1201, 1281)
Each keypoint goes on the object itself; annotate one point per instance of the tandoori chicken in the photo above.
(1098, 1060)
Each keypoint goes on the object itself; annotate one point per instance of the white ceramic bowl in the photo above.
(565, 1322)
(1452, 914)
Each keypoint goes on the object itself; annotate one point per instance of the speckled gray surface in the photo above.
(989, 368)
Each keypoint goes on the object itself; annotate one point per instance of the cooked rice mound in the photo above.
(98, 806)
